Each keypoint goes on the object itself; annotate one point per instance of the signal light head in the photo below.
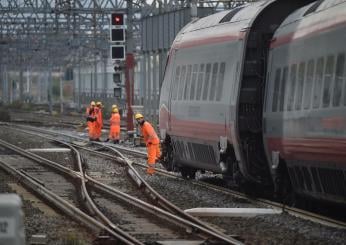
(117, 19)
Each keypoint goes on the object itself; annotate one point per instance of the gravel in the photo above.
(269, 229)
(265, 229)
(58, 228)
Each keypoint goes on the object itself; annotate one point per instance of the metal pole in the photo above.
(8, 87)
(50, 90)
(193, 6)
(79, 86)
(39, 87)
(154, 88)
(61, 95)
(150, 91)
(28, 81)
(91, 85)
(105, 85)
(130, 63)
(21, 84)
(2, 78)
(144, 82)
(95, 75)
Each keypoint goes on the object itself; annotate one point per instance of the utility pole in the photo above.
(50, 88)
(130, 64)
(61, 94)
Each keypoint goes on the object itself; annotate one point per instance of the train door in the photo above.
(251, 92)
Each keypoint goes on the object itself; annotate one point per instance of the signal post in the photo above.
(130, 65)
(121, 46)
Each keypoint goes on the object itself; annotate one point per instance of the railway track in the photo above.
(303, 214)
(185, 226)
(36, 118)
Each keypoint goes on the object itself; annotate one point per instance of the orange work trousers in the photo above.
(97, 131)
(91, 129)
(153, 153)
(114, 133)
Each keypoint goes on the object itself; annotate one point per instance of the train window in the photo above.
(276, 90)
(206, 82)
(193, 82)
(213, 81)
(339, 76)
(175, 83)
(200, 82)
(229, 16)
(308, 84)
(318, 83)
(283, 88)
(300, 86)
(187, 82)
(313, 7)
(292, 87)
(328, 75)
(221, 81)
(181, 83)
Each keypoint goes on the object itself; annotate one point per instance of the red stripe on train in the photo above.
(209, 40)
(194, 129)
(310, 149)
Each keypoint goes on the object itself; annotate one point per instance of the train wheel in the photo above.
(230, 176)
(188, 173)
(168, 156)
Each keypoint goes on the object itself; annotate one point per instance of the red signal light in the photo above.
(117, 19)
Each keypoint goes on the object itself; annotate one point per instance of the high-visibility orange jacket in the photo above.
(152, 142)
(149, 133)
(98, 122)
(90, 113)
(101, 118)
(114, 132)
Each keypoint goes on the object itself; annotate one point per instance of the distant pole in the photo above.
(193, 7)
(79, 87)
(61, 95)
(130, 64)
(50, 89)
(21, 84)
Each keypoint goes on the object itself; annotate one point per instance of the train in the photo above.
(258, 94)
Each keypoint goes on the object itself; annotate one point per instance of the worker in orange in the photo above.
(90, 117)
(152, 142)
(98, 124)
(114, 132)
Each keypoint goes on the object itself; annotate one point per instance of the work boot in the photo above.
(150, 170)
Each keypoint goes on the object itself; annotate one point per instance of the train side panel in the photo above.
(305, 115)
(203, 85)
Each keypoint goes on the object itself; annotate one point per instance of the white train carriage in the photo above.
(212, 95)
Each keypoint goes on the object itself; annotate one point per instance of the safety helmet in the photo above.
(115, 110)
(92, 103)
(114, 106)
(98, 103)
(138, 116)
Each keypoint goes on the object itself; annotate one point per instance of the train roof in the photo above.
(310, 9)
(240, 18)
(244, 13)
(319, 15)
